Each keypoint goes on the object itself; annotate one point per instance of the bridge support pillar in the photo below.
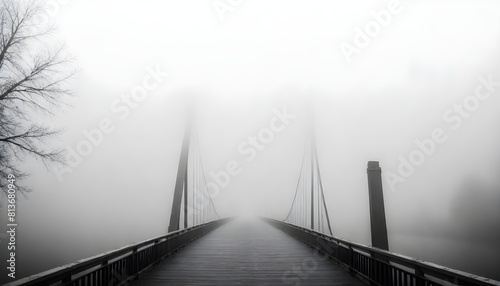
(377, 210)
(180, 186)
(378, 223)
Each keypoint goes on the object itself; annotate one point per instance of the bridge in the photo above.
(202, 248)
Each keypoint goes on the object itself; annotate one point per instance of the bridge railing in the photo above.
(380, 267)
(118, 267)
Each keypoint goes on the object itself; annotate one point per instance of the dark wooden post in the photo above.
(312, 190)
(377, 220)
(377, 211)
(186, 198)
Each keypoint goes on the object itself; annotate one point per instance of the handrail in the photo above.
(379, 266)
(119, 266)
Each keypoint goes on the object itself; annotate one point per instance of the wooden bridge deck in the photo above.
(246, 252)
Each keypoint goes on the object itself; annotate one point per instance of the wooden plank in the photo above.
(246, 252)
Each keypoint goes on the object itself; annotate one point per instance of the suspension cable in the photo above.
(323, 194)
(206, 184)
(298, 182)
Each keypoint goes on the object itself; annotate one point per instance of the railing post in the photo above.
(105, 274)
(137, 259)
(419, 273)
(351, 261)
(68, 278)
(133, 262)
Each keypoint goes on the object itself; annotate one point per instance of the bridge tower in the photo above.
(192, 203)
(377, 209)
(181, 185)
(309, 208)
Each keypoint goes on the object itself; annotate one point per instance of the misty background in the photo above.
(269, 55)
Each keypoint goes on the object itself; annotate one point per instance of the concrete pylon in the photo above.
(377, 210)
(180, 185)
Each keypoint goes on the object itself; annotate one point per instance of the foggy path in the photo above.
(246, 252)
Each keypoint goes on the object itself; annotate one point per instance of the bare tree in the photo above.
(32, 81)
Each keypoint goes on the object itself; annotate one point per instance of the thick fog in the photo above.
(421, 96)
